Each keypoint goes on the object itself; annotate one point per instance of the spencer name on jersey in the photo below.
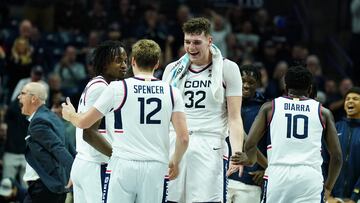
(148, 89)
(197, 84)
(296, 107)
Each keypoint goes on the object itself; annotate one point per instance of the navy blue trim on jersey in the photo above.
(195, 71)
(292, 98)
(86, 88)
(264, 190)
(105, 177)
(143, 79)
(102, 125)
(172, 96)
(322, 196)
(125, 95)
(165, 189)
(225, 179)
(271, 113)
(321, 117)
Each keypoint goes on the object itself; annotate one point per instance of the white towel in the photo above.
(177, 74)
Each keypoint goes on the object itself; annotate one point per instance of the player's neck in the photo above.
(297, 93)
(145, 74)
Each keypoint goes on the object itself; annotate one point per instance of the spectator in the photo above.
(71, 72)
(347, 185)
(276, 86)
(247, 38)
(48, 162)
(337, 106)
(247, 188)
(313, 64)
(219, 30)
(11, 191)
(20, 62)
(36, 75)
(14, 158)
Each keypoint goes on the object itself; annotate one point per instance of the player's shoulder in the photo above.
(230, 64)
(325, 111)
(97, 82)
(172, 64)
(267, 106)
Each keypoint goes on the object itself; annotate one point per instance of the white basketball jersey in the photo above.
(91, 93)
(295, 132)
(146, 106)
(203, 112)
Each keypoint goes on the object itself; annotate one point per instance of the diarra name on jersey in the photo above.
(148, 89)
(296, 107)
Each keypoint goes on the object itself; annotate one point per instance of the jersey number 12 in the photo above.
(148, 119)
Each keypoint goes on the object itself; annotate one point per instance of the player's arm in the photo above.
(235, 123)
(80, 120)
(261, 159)
(334, 149)
(95, 139)
(182, 137)
(257, 131)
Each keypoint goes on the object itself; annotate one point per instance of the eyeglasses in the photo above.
(25, 93)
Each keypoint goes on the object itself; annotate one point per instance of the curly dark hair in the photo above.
(355, 90)
(252, 70)
(298, 78)
(104, 54)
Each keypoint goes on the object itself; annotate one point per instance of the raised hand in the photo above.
(67, 109)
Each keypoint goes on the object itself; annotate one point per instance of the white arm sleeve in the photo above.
(178, 100)
(111, 98)
(232, 79)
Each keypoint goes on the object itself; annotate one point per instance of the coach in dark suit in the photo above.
(48, 162)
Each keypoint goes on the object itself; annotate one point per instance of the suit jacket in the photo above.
(45, 150)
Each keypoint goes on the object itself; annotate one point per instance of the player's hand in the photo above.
(334, 200)
(67, 109)
(173, 170)
(234, 168)
(69, 185)
(346, 200)
(258, 176)
(239, 158)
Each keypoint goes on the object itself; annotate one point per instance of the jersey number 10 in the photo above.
(292, 121)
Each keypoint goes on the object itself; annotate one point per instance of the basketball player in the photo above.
(88, 170)
(296, 125)
(212, 90)
(140, 156)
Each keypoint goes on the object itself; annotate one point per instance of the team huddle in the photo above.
(135, 134)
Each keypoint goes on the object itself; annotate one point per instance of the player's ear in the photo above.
(157, 65)
(133, 62)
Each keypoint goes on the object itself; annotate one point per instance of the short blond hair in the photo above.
(146, 53)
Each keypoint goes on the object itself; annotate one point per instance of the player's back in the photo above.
(92, 91)
(295, 132)
(146, 109)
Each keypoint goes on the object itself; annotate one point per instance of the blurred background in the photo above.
(51, 41)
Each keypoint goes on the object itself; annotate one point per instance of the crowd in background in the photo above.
(52, 42)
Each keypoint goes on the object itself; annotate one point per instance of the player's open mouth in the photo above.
(194, 54)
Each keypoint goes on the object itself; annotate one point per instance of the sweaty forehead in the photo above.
(194, 36)
(353, 95)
